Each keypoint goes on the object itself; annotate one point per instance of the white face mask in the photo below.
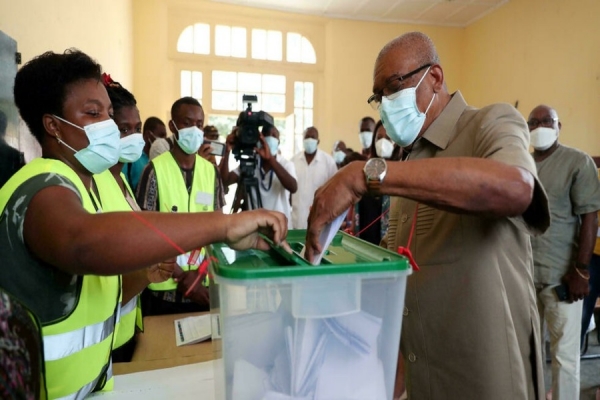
(338, 156)
(384, 148)
(366, 138)
(310, 145)
(543, 138)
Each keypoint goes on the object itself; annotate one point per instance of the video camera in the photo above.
(247, 135)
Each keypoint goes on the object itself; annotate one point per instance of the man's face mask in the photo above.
(366, 137)
(401, 116)
(104, 148)
(190, 139)
(543, 138)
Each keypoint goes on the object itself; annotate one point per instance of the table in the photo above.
(156, 348)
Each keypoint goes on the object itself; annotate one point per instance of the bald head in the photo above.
(544, 116)
(415, 47)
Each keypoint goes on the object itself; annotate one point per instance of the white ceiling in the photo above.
(428, 12)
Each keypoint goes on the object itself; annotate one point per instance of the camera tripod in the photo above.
(247, 196)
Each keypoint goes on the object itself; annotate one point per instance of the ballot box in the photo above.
(291, 330)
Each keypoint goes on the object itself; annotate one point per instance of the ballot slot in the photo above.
(290, 329)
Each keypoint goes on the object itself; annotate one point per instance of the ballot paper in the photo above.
(319, 359)
(192, 329)
(327, 235)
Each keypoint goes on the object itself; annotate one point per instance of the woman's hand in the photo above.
(162, 271)
(243, 230)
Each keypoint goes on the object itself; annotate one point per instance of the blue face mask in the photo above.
(104, 148)
(310, 145)
(339, 156)
(273, 144)
(131, 148)
(190, 138)
(401, 116)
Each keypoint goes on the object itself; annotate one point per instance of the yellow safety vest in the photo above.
(112, 199)
(173, 192)
(76, 348)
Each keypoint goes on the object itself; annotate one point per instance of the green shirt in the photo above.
(571, 181)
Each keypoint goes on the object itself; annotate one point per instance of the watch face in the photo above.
(374, 168)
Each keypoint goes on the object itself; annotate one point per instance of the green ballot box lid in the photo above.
(346, 255)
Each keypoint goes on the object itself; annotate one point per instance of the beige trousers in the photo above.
(564, 327)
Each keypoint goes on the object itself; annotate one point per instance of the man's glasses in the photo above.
(545, 122)
(375, 99)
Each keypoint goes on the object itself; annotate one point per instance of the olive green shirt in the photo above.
(471, 327)
(571, 181)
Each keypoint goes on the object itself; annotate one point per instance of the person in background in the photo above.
(11, 159)
(562, 254)
(181, 181)
(589, 303)
(367, 127)
(153, 129)
(61, 256)
(115, 194)
(467, 200)
(313, 168)
(276, 176)
(371, 216)
(339, 152)
(210, 133)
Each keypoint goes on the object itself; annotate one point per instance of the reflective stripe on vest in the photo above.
(112, 199)
(65, 344)
(84, 360)
(172, 191)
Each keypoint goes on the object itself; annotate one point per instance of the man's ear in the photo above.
(172, 127)
(438, 75)
(51, 126)
(559, 126)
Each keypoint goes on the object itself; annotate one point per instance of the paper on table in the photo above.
(192, 329)
(327, 235)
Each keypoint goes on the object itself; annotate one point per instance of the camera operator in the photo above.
(275, 174)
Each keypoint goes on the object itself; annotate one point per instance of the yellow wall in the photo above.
(346, 51)
(540, 52)
(534, 51)
(102, 29)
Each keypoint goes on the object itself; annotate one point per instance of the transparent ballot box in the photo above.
(291, 330)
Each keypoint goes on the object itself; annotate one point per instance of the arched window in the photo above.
(195, 39)
(299, 49)
(285, 91)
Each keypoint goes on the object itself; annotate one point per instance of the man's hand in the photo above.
(264, 152)
(185, 280)
(204, 151)
(579, 287)
(243, 230)
(230, 140)
(342, 191)
(162, 271)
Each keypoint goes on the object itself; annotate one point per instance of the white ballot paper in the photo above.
(192, 329)
(327, 235)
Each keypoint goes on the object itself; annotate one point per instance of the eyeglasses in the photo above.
(375, 99)
(546, 122)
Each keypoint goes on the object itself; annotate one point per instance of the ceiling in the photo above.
(424, 12)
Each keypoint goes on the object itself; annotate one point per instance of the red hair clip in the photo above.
(108, 81)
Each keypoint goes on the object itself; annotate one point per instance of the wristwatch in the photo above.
(375, 170)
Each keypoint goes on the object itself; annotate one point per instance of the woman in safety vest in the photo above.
(61, 256)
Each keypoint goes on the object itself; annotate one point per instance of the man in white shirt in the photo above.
(276, 175)
(313, 168)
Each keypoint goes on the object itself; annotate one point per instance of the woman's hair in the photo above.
(119, 96)
(42, 84)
